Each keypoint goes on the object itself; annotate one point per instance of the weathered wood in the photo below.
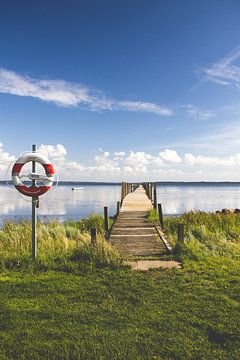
(106, 218)
(151, 191)
(155, 196)
(122, 195)
(160, 214)
(93, 236)
(118, 207)
(181, 233)
(132, 234)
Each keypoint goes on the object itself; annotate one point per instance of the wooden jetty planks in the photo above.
(132, 234)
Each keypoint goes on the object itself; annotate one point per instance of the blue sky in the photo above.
(131, 89)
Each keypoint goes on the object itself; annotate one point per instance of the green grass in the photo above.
(207, 235)
(152, 216)
(59, 246)
(66, 309)
(106, 314)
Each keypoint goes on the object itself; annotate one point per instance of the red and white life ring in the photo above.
(47, 179)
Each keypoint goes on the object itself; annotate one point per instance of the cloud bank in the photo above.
(167, 165)
(67, 94)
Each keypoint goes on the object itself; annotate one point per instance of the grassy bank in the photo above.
(60, 246)
(207, 236)
(105, 311)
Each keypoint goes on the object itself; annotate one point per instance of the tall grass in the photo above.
(206, 235)
(152, 216)
(58, 245)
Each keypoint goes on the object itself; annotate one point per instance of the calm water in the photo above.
(63, 203)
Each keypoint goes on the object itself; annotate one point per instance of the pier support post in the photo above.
(160, 214)
(93, 236)
(155, 196)
(150, 191)
(118, 207)
(122, 196)
(180, 233)
(106, 219)
(147, 190)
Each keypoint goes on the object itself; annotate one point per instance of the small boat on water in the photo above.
(77, 188)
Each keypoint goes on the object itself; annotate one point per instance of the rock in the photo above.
(227, 211)
(237, 211)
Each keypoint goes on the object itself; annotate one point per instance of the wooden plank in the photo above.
(137, 231)
(132, 234)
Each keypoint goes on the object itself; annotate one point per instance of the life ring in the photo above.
(46, 179)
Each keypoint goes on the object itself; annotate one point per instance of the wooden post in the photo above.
(150, 191)
(180, 233)
(149, 195)
(146, 189)
(118, 207)
(122, 196)
(144, 186)
(155, 196)
(93, 236)
(106, 218)
(160, 215)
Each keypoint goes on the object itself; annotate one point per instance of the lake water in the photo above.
(63, 203)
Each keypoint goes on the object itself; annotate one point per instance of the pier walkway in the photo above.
(132, 234)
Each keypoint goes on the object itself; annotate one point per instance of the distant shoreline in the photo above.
(166, 183)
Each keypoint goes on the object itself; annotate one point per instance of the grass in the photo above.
(207, 235)
(152, 216)
(60, 246)
(64, 310)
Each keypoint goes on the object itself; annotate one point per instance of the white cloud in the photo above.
(140, 106)
(137, 166)
(225, 71)
(139, 158)
(119, 153)
(5, 160)
(56, 153)
(204, 160)
(66, 94)
(198, 114)
(128, 169)
(170, 155)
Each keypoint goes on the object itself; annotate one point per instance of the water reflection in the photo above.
(63, 203)
(179, 199)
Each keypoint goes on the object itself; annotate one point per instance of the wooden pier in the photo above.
(132, 234)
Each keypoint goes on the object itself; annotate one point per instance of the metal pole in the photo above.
(34, 212)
